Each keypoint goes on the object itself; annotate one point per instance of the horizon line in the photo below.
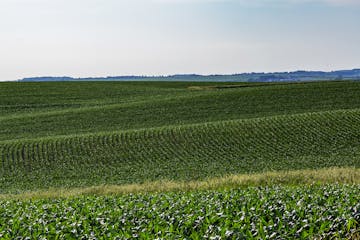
(183, 74)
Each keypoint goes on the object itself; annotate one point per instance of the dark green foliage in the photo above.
(84, 134)
(304, 141)
(29, 110)
(263, 142)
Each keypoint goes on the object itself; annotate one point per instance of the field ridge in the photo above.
(188, 125)
(160, 161)
(107, 106)
(299, 141)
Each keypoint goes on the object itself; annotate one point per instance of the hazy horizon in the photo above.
(93, 38)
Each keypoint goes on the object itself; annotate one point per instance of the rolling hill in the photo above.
(173, 160)
(86, 134)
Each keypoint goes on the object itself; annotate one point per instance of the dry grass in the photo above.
(323, 176)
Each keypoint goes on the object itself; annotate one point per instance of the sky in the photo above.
(89, 38)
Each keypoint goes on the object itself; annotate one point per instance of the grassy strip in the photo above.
(299, 177)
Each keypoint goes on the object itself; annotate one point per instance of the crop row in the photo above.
(29, 98)
(77, 108)
(327, 212)
(304, 141)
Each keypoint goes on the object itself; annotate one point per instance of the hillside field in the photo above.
(180, 159)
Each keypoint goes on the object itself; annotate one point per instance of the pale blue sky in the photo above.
(158, 37)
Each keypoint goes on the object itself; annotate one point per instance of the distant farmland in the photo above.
(168, 143)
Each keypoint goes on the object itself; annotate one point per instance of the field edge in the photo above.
(335, 175)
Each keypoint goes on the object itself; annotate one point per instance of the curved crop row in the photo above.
(303, 141)
(97, 107)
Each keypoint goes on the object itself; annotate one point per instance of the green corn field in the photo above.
(69, 137)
